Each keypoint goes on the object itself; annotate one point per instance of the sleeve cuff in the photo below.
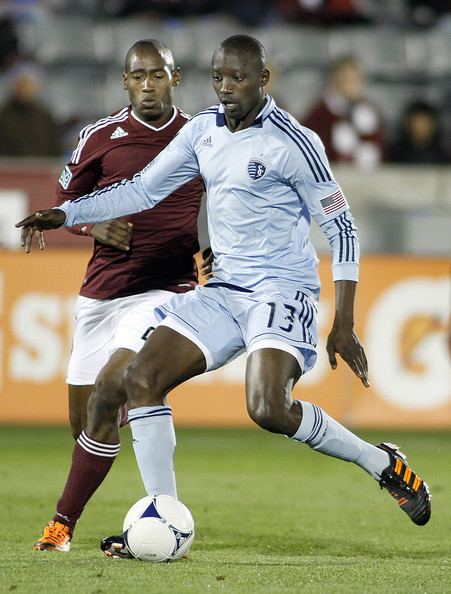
(345, 271)
(64, 208)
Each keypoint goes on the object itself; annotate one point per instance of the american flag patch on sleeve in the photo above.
(333, 202)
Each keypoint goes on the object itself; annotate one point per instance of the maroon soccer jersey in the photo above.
(164, 238)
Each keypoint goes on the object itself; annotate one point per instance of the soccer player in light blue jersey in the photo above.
(266, 177)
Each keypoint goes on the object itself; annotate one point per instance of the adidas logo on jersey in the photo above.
(118, 133)
(207, 141)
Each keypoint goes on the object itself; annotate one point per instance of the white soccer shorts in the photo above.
(224, 321)
(104, 325)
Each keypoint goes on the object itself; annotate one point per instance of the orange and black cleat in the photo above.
(409, 490)
(55, 537)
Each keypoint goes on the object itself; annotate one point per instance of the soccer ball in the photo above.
(158, 529)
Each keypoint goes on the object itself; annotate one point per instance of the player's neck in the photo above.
(235, 125)
(161, 121)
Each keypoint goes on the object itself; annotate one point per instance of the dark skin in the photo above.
(238, 81)
(239, 78)
(149, 78)
(271, 374)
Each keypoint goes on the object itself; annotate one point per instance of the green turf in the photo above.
(271, 517)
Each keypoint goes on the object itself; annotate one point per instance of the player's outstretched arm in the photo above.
(34, 224)
(342, 339)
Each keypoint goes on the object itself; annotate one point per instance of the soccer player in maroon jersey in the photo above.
(138, 262)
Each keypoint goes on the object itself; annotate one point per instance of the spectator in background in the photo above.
(9, 44)
(429, 13)
(323, 12)
(248, 13)
(419, 139)
(27, 128)
(348, 123)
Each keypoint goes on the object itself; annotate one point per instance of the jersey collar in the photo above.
(168, 123)
(267, 108)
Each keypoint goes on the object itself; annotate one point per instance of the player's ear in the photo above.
(265, 77)
(124, 81)
(176, 77)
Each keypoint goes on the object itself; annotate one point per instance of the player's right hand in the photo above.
(34, 224)
(116, 233)
(206, 266)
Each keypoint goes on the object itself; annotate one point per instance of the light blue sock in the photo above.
(325, 435)
(154, 445)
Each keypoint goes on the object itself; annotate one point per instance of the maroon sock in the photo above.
(91, 462)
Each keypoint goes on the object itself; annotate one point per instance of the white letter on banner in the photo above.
(34, 322)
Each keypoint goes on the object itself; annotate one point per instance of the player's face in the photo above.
(149, 81)
(238, 81)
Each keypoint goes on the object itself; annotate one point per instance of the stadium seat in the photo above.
(417, 55)
(77, 91)
(297, 89)
(124, 33)
(381, 51)
(114, 95)
(289, 46)
(180, 38)
(208, 34)
(438, 44)
(65, 39)
(391, 98)
(195, 93)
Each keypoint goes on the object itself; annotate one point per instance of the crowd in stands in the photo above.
(27, 126)
(351, 122)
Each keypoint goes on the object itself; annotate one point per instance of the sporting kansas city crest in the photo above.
(256, 169)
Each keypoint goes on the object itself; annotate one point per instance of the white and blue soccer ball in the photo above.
(158, 529)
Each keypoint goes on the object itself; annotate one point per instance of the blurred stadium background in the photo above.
(403, 212)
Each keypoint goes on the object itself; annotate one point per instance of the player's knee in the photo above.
(109, 391)
(268, 413)
(262, 413)
(143, 387)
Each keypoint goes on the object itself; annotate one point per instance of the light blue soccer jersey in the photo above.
(264, 184)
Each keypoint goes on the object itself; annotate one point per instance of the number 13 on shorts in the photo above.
(295, 318)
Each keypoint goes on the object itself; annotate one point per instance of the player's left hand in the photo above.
(345, 342)
(34, 224)
(206, 267)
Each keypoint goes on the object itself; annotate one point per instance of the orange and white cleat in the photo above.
(55, 537)
(409, 490)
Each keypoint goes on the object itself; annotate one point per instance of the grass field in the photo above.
(271, 517)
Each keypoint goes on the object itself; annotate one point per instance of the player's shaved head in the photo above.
(152, 45)
(244, 44)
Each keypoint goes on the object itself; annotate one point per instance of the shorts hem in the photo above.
(80, 382)
(271, 343)
(170, 322)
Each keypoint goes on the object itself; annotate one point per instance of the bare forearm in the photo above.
(344, 303)
(342, 339)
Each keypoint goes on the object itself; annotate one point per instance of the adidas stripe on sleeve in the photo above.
(322, 195)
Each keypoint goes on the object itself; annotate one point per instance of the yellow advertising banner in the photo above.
(402, 317)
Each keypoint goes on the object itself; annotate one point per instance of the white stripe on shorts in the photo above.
(270, 343)
(171, 323)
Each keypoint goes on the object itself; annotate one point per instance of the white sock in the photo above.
(154, 445)
(325, 435)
